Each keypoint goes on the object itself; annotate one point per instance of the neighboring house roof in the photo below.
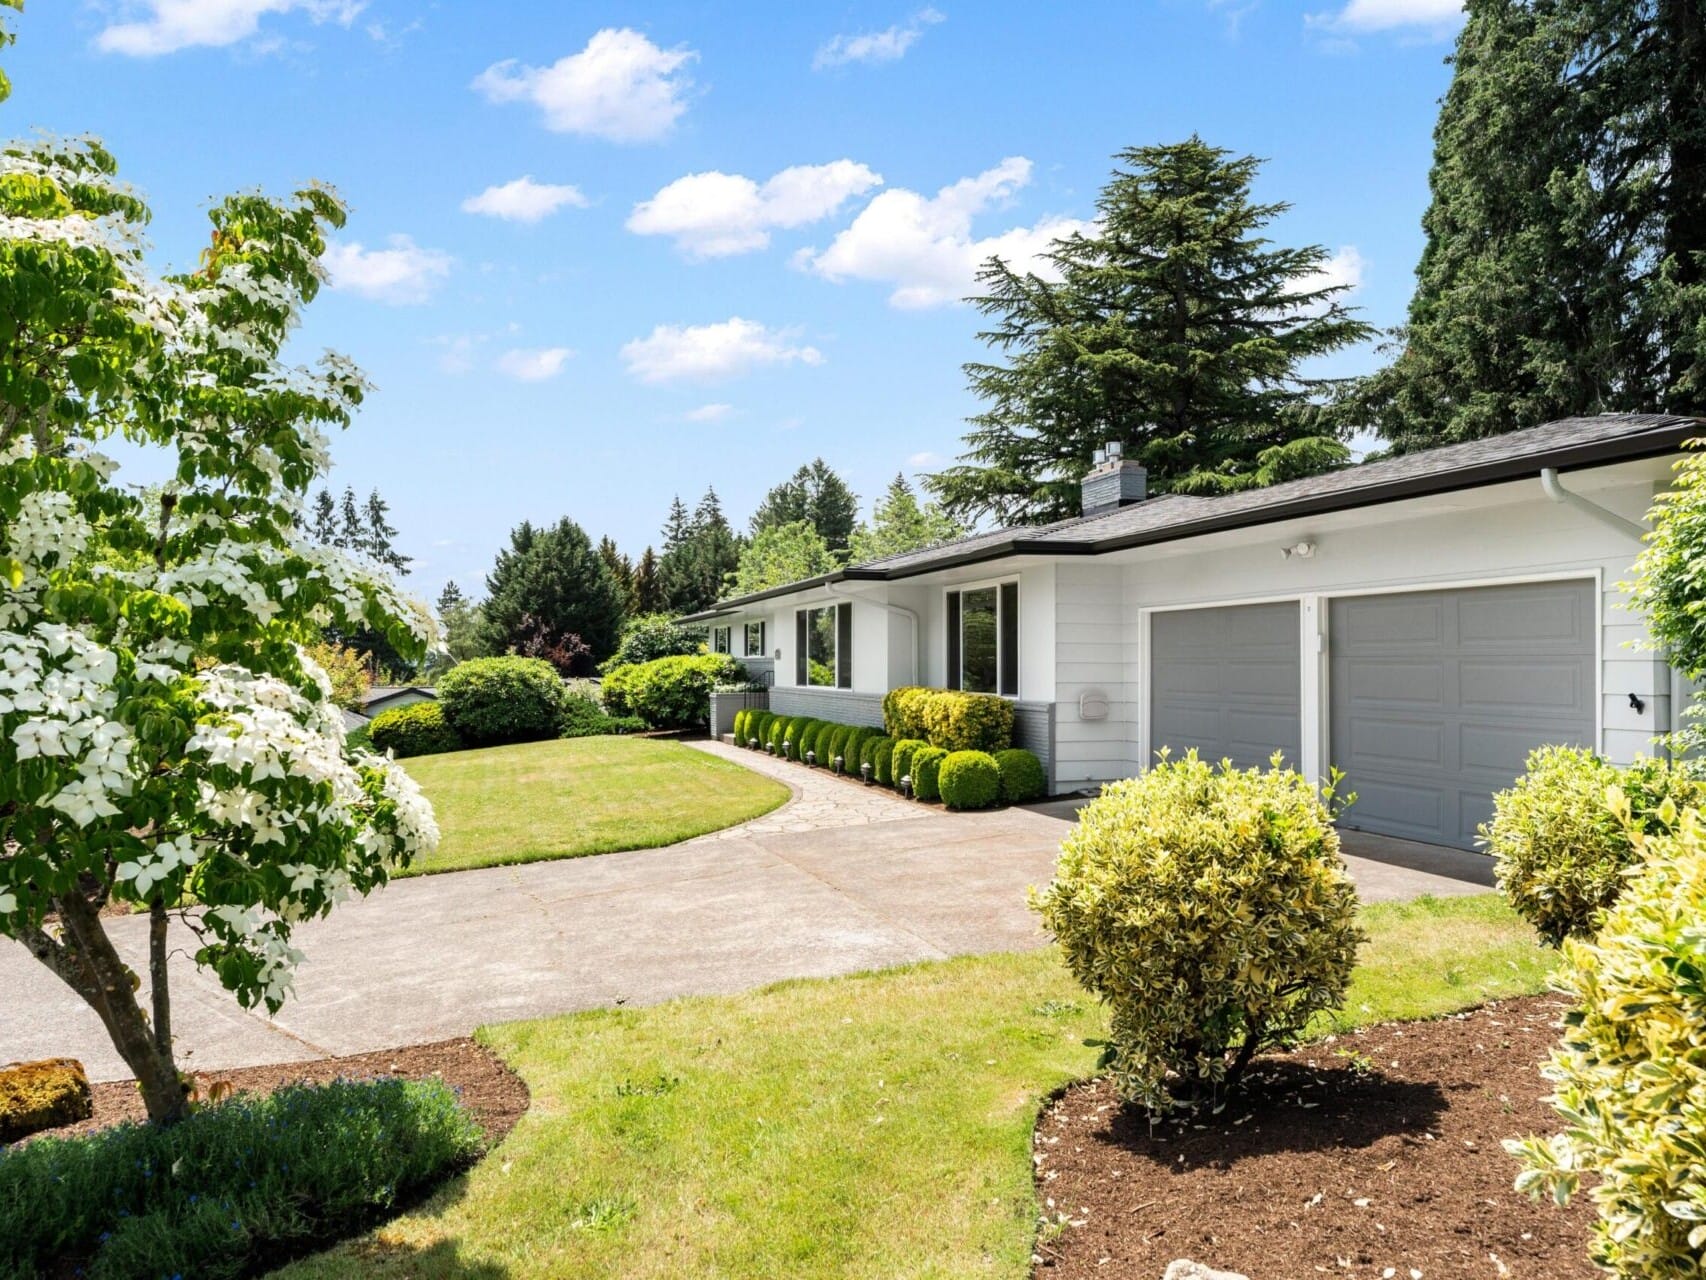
(353, 720)
(1567, 445)
(380, 693)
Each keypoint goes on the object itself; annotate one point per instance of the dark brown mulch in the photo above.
(1372, 1151)
(493, 1093)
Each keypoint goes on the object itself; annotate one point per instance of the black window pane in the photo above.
(978, 641)
(953, 639)
(1010, 639)
(802, 632)
(844, 646)
(821, 664)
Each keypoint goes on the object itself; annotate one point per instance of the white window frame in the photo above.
(955, 678)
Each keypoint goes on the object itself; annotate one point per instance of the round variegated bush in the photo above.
(1209, 909)
(164, 738)
(1630, 1071)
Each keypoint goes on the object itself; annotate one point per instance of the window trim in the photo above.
(954, 645)
(746, 639)
(728, 645)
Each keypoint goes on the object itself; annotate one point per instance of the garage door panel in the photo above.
(1543, 686)
(1422, 683)
(1438, 697)
(1400, 743)
(1227, 682)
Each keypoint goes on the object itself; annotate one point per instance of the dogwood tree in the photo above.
(164, 739)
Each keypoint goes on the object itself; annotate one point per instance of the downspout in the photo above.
(902, 610)
(1556, 491)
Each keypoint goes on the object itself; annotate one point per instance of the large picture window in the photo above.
(823, 646)
(983, 639)
(754, 640)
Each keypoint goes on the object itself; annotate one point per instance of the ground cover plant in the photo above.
(570, 797)
(232, 1184)
(775, 1132)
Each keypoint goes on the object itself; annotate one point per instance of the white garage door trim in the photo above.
(1146, 658)
(1594, 577)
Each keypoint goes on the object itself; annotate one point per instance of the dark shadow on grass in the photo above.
(440, 1261)
(1283, 1106)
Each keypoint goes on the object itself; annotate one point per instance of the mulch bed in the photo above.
(493, 1093)
(1375, 1154)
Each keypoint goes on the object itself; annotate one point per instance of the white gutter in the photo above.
(1556, 491)
(904, 612)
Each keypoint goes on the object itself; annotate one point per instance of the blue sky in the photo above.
(649, 311)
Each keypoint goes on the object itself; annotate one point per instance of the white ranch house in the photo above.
(1419, 622)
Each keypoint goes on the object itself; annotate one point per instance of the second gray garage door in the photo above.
(1227, 682)
(1438, 697)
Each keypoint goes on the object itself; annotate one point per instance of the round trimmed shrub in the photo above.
(868, 749)
(1209, 909)
(760, 727)
(738, 728)
(927, 772)
(670, 693)
(808, 737)
(1627, 1074)
(415, 730)
(901, 761)
(882, 760)
(796, 732)
(970, 780)
(778, 733)
(854, 747)
(1022, 775)
(903, 712)
(833, 741)
(493, 700)
(1562, 854)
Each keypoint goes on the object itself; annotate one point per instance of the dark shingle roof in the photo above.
(1567, 444)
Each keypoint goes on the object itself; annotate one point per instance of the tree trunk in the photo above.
(87, 962)
(159, 988)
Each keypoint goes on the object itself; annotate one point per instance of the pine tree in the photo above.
(1564, 270)
(621, 568)
(648, 591)
(677, 526)
(1176, 329)
(549, 586)
(361, 529)
(816, 495)
(692, 572)
(900, 523)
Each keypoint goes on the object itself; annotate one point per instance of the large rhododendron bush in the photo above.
(165, 741)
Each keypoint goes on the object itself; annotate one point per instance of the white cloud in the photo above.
(170, 25)
(621, 87)
(925, 459)
(1346, 268)
(708, 413)
(404, 274)
(887, 45)
(924, 245)
(456, 353)
(533, 364)
(714, 215)
(708, 351)
(1366, 17)
(524, 200)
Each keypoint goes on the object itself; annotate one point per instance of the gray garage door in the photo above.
(1438, 697)
(1227, 682)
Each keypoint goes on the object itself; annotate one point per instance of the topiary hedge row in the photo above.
(962, 778)
(949, 718)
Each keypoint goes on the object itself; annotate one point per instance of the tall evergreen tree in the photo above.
(648, 591)
(816, 495)
(459, 621)
(621, 568)
(677, 525)
(1176, 329)
(551, 585)
(1564, 270)
(361, 529)
(691, 573)
(900, 523)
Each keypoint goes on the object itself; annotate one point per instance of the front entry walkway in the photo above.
(842, 878)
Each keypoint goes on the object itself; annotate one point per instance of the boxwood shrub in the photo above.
(1627, 1076)
(855, 744)
(868, 748)
(903, 712)
(1209, 909)
(969, 780)
(488, 701)
(1022, 775)
(796, 734)
(759, 727)
(778, 733)
(738, 726)
(670, 693)
(901, 761)
(419, 729)
(927, 771)
(1562, 856)
(882, 760)
(949, 718)
(232, 1188)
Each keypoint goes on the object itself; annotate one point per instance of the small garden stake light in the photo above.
(865, 772)
(811, 758)
(840, 764)
(906, 786)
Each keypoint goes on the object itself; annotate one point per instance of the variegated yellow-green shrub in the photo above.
(1563, 856)
(1630, 1072)
(1210, 910)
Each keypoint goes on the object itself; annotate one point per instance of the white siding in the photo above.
(1094, 648)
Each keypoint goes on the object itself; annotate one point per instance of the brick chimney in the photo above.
(1112, 482)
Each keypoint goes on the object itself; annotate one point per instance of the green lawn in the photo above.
(873, 1126)
(563, 799)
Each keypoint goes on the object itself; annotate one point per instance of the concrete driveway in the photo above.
(839, 880)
